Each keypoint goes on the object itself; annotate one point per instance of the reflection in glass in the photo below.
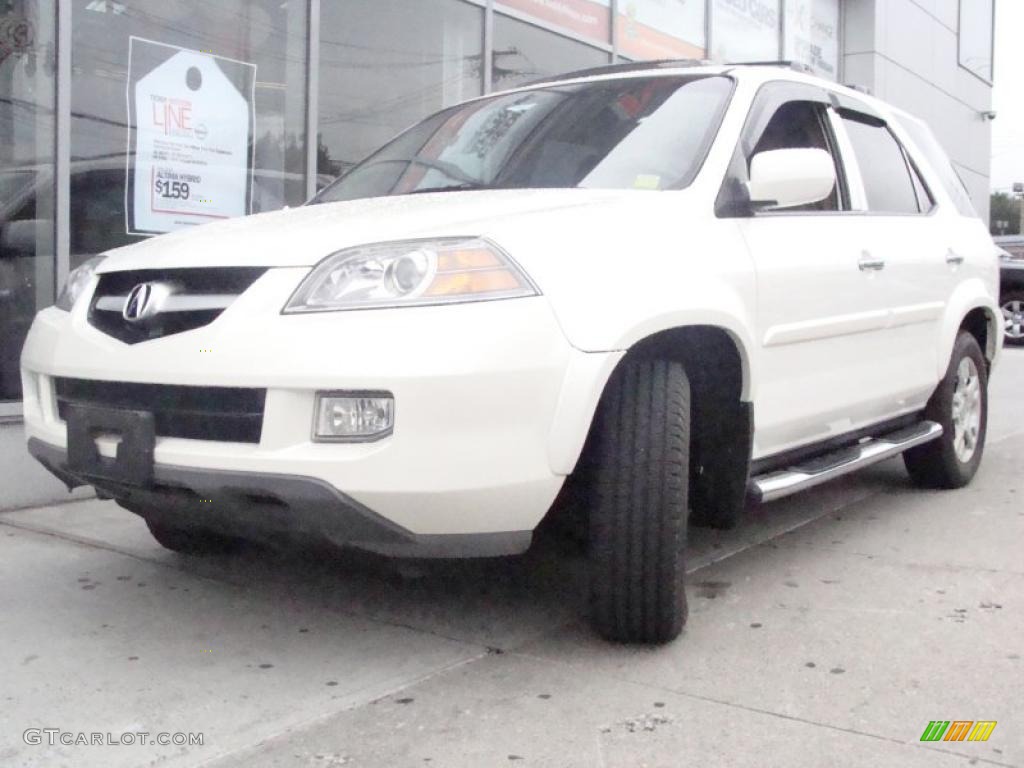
(638, 133)
(590, 19)
(661, 29)
(384, 64)
(523, 52)
(745, 30)
(812, 35)
(269, 34)
(27, 93)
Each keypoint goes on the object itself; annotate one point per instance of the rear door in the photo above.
(907, 249)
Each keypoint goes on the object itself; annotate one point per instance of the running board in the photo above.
(775, 485)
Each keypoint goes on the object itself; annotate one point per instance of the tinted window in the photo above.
(635, 133)
(798, 125)
(883, 168)
(27, 260)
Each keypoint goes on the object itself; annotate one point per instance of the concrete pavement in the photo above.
(828, 630)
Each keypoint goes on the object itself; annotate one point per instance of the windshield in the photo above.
(635, 133)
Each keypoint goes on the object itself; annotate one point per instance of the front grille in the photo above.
(226, 414)
(198, 298)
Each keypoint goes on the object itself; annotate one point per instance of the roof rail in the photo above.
(797, 66)
(616, 69)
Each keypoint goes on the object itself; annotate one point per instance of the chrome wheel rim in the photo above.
(966, 410)
(1013, 315)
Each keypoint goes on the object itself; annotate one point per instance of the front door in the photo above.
(824, 304)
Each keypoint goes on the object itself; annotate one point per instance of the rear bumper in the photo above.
(261, 505)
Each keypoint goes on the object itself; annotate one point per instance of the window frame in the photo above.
(731, 203)
(991, 44)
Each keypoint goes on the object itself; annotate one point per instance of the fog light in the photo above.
(354, 416)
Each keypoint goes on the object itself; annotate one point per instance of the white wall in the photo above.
(905, 51)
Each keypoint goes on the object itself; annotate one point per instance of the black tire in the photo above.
(640, 475)
(191, 541)
(1015, 298)
(936, 464)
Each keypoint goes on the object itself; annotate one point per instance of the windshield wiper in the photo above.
(449, 188)
(450, 170)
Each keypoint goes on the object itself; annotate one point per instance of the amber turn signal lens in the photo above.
(476, 258)
(483, 281)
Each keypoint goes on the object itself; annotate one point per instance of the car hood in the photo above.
(303, 236)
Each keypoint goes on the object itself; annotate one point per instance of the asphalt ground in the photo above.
(828, 630)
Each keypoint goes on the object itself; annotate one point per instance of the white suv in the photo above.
(663, 289)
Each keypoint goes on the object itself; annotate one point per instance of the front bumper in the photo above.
(272, 506)
(491, 409)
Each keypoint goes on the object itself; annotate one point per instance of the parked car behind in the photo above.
(1011, 286)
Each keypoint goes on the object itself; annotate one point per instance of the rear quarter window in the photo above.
(937, 158)
(887, 176)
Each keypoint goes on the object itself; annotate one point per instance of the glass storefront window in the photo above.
(812, 35)
(587, 18)
(523, 52)
(183, 113)
(384, 64)
(27, 126)
(976, 36)
(661, 29)
(745, 30)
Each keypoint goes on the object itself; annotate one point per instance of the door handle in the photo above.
(869, 263)
(953, 258)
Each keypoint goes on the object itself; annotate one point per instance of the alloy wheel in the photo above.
(1013, 314)
(966, 410)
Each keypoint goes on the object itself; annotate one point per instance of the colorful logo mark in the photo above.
(958, 730)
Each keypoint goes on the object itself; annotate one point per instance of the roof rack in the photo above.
(617, 69)
(797, 66)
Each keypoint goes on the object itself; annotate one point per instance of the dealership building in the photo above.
(284, 95)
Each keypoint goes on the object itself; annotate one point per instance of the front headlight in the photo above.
(77, 280)
(411, 273)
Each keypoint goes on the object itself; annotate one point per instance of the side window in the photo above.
(799, 125)
(883, 166)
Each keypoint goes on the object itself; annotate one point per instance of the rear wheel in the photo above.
(640, 473)
(191, 541)
(960, 405)
(1013, 317)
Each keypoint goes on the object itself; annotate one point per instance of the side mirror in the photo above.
(786, 178)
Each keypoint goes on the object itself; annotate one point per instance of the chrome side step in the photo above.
(807, 474)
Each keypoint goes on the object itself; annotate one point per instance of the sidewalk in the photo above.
(829, 630)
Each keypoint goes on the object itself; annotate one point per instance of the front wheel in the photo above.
(1013, 317)
(960, 405)
(640, 474)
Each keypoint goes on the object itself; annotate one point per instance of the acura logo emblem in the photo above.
(144, 301)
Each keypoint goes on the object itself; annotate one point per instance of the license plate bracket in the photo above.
(133, 462)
